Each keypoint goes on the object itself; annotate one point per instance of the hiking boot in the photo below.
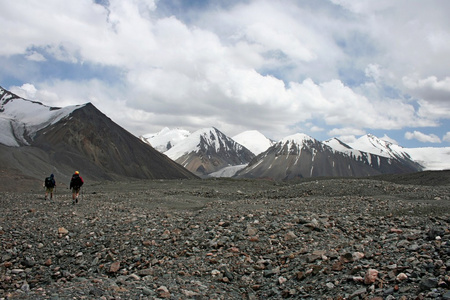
(76, 200)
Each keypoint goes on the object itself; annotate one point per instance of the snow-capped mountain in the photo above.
(209, 150)
(165, 139)
(20, 119)
(375, 152)
(300, 155)
(37, 140)
(371, 144)
(428, 157)
(254, 141)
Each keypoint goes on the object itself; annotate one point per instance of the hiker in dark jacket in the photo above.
(75, 185)
(49, 184)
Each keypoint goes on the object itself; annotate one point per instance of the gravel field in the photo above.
(230, 239)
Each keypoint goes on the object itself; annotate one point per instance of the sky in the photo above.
(326, 68)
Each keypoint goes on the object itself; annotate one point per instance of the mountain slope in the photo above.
(76, 138)
(100, 146)
(20, 119)
(390, 158)
(302, 156)
(371, 144)
(209, 150)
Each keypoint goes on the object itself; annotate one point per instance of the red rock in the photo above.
(337, 266)
(371, 276)
(357, 256)
(163, 292)
(62, 231)
(115, 266)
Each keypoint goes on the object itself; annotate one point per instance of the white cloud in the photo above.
(35, 56)
(430, 89)
(446, 137)
(422, 137)
(267, 65)
(346, 132)
(316, 129)
(27, 91)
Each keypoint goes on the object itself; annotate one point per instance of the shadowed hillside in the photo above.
(88, 141)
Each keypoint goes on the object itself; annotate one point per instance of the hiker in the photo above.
(49, 184)
(75, 185)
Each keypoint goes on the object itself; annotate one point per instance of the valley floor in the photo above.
(230, 239)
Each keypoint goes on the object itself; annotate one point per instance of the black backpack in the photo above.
(49, 182)
(76, 181)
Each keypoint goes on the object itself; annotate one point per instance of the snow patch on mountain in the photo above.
(193, 143)
(254, 141)
(298, 138)
(337, 145)
(20, 119)
(165, 139)
(228, 171)
(431, 158)
(371, 144)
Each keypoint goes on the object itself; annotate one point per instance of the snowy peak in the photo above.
(6, 96)
(208, 150)
(165, 139)
(374, 145)
(254, 141)
(371, 144)
(20, 119)
(206, 140)
(299, 139)
(293, 144)
(337, 145)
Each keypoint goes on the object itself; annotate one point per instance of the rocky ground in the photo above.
(229, 239)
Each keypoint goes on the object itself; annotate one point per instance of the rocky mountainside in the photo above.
(300, 156)
(209, 150)
(44, 140)
(102, 148)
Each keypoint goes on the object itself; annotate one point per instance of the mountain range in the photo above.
(36, 140)
(368, 155)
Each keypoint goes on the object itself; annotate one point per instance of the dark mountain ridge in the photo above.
(80, 138)
(91, 140)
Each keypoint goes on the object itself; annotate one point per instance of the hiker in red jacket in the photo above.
(75, 185)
